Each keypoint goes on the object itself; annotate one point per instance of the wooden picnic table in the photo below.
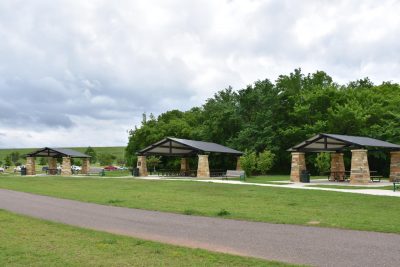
(342, 176)
(338, 176)
(52, 171)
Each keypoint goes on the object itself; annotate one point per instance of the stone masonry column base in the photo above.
(238, 166)
(298, 165)
(359, 167)
(185, 166)
(142, 166)
(203, 169)
(52, 166)
(66, 166)
(337, 165)
(30, 166)
(85, 166)
(394, 165)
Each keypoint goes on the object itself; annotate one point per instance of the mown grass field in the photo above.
(25, 241)
(255, 203)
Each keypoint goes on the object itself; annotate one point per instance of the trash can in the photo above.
(23, 171)
(304, 176)
(135, 172)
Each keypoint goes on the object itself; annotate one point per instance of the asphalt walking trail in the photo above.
(287, 243)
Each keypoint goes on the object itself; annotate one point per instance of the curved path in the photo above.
(287, 243)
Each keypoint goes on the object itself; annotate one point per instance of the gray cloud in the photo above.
(68, 67)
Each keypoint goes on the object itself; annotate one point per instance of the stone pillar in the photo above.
(337, 165)
(394, 165)
(30, 166)
(52, 166)
(298, 165)
(238, 167)
(359, 167)
(66, 166)
(203, 169)
(85, 166)
(185, 166)
(142, 165)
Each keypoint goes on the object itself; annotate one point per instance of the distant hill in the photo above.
(118, 151)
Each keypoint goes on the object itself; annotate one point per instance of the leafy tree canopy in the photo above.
(276, 115)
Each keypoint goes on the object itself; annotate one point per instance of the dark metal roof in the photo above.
(337, 142)
(180, 147)
(57, 153)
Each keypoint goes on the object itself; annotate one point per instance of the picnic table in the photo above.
(374, 177)
(52, 171)
(338, 176)
(342, 176)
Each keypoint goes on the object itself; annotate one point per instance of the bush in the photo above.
(323, 162)
(92, 153)
(43, 161)
(223, 212)
(106, 159)
(248, 162)
(265, 161)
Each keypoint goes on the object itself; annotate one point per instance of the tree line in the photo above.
(273, 116)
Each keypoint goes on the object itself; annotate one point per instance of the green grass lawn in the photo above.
(267, 204)
(117, 173)
(267, 179)
(25, 241)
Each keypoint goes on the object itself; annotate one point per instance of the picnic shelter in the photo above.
(52, 154)
(335, 144)
(185, 148)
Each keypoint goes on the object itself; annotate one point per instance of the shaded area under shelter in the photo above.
(52, 154)
(185, 148)
(335, 144)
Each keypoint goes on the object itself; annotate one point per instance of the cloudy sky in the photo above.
(79, 73)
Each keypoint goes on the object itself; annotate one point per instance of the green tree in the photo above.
(323, 162)
(76, 162)
(278, 115)
(265, 161)
(121, 161)
(106, 159)
(43, 161)
(14, 156)
(92, 153)
(248, 162)
(152, 162)
(7, 160)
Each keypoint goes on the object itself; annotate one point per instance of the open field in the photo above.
(27, 241)
(276, 205)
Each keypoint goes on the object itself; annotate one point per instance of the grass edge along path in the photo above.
(252, 203)
(34, 242)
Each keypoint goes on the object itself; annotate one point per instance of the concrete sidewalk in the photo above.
(286, 243)
(375, 192)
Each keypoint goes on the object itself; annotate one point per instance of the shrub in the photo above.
(223, 212)
(92, 153)
(248, 162)
(106, 159)
(265, 161)
(43, 161)
(323, 162)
